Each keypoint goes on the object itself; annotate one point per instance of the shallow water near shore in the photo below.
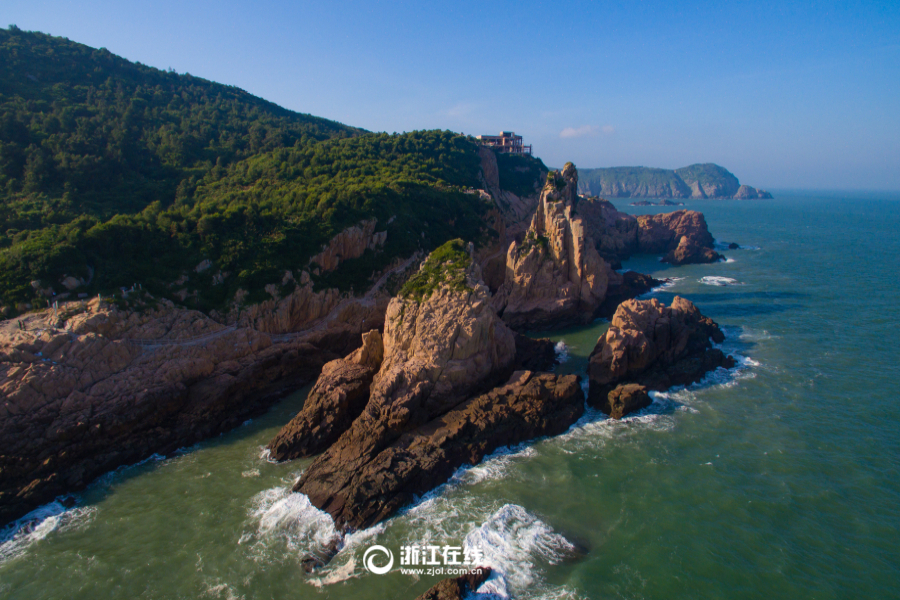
(778, 479)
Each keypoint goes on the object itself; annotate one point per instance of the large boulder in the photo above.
(554, 276)
(655, 346)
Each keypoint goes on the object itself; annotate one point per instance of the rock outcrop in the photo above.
(654, 346)
(530, 405)
(632, 285)
(97, 387)
(681, 235)
(745, 192)
(442, 343)
(339, 396)
(554, 276)
(457, 588)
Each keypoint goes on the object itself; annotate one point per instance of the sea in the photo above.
(777, 479)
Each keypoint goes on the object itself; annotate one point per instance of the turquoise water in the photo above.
(777, 480)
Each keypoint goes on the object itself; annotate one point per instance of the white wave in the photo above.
(495, 466)
(289, 518)
(251, 473)
(562, 351)
(728, 260)
(716, 280)
(667, 283)
(513, 543)
(20, 535)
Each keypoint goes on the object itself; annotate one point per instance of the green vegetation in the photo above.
(446, 266)
(519, 173)
(118, 173)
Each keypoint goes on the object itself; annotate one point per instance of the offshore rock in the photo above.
(655, 346)
(555, 276)
(682, 236)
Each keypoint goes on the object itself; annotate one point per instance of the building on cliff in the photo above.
(507, 141)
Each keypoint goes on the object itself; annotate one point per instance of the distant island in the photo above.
(662, 202)
(696, 181)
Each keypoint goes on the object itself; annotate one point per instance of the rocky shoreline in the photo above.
(407, 388)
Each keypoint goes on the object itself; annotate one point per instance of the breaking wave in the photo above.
(18, 536)
(716, 280)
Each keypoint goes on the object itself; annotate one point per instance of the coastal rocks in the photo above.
(689, 251)
(555, 275)
(529, 405)
(745, 192)
(625, 399)
(666, 232)
(631, 285)
(339, 396)
(457, 588)
(614, 233)
(103, 388)
(654, 346)
(442, 343)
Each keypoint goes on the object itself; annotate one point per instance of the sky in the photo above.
(783, 94)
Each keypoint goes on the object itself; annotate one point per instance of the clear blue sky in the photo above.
(785, 94)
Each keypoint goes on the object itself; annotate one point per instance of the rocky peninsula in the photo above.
(409, 384)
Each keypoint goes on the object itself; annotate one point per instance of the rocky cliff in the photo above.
(430, 408)
(89, 391)
(696, 181)
(650, 346)
(554, 276)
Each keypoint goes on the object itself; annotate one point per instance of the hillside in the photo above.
(114, 173)
(696, 181)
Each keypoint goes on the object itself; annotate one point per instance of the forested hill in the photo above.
(696, 181)
(104, 135)
(115, 173)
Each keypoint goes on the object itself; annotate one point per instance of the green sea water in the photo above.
(779, 479)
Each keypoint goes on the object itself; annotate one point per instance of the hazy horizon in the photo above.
(787, 96)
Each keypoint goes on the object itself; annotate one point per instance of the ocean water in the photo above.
(779, 479)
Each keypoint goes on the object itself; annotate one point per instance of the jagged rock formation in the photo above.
(618, 235)
(554, 276)
(530, 405)
(104, 388)
(457, 588)
(442, 343)
(682, 235)
(339, 396)
(696, 181)
(654, 346)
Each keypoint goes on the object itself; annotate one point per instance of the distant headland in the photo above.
(696, 181)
